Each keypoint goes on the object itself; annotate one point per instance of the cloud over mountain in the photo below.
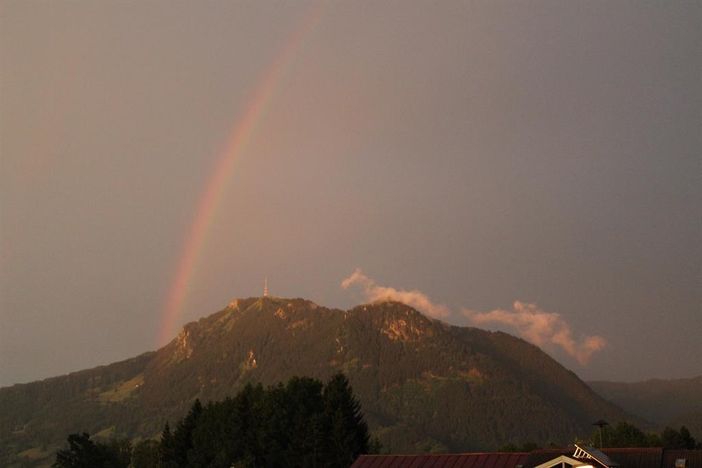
(529, 321)
(541, 328)
(373, 292)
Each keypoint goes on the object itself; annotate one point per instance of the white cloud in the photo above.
(541, 328)
(372, 292)
(544, 329)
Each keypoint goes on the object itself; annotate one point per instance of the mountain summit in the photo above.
(424, 385)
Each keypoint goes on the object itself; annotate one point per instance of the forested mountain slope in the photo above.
(424, 385)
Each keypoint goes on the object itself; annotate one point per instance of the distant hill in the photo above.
(674, 402)
(424, 385)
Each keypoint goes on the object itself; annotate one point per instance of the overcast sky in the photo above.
(479, 152)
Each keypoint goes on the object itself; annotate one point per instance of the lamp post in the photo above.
(601, 424)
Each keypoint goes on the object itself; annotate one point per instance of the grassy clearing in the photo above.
(122, 391)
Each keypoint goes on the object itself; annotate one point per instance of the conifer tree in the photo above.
(302, 423)
(167, 452)
(346, 431)
(146, 454)
(183, 435)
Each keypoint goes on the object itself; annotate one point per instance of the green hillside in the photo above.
(424, 385)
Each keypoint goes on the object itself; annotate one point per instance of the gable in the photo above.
(564, 462)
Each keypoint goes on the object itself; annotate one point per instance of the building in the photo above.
(573, 457)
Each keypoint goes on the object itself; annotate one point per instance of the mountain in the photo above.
(424, 385)
(673, 402)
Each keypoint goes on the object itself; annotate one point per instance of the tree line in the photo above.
(302, 423)
(623, 435)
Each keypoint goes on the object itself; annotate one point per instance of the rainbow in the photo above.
(240, 136)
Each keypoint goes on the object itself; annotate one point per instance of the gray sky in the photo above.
(480, 152)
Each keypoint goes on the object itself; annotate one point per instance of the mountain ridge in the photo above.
(424, 385)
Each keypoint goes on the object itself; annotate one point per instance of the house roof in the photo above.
(564, 459)
(455, 460)
(693, 458)
(640, 457)
(643, 457)
(541, 456)
(591, 453)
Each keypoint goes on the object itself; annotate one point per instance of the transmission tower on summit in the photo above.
(265, 287)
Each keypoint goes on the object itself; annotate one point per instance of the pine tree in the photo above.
(302, 423)
(183, 435)
(167, 452)
(346, 431)
(146, 454)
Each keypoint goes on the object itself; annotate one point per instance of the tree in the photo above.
(229, 431)
(84, 453)
(119, 450)
(146, 454)
(682, 439)
(167, 448)
(183, 435)
(302, 423)
(346, 431)
(626, 435)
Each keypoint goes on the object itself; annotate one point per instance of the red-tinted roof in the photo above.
(693, 458)
(638, 457)
(449, 460)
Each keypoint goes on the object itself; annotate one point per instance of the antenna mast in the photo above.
(265, 287)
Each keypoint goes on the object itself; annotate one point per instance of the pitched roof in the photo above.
(540, 456)
(448, 460)
(563, 460)
(638, 457)
(591, 453)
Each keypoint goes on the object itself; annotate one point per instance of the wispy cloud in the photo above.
(373, 292)
(544, 329)
(541, 328)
